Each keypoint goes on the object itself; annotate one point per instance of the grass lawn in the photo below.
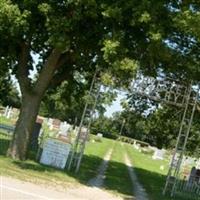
(93, 156)
(149, 173)
(35, 172)
(117, 177)
(4, 120)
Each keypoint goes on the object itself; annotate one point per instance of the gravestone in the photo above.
(64, 132)
(191, 161)
(64, 128)
(100, 135)
(50, 122)
(188, 161)
(198, 164)
(159, 154)
(56, 124)
(9, 113)
(137, 146)
(15, 113)
(83, 133)
(6, 111)
(55, 153)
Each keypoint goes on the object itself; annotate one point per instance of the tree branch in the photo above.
(47, 72)
(65, 59)
(59, 78)
(22, 70)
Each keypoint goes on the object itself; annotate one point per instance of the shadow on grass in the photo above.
(117, 179)
(116, 176)
(33, 166)
(87, 170)
(154, 183)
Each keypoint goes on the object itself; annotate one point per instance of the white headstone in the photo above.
(191, 161)
(9, 113)
(55, 153)
(83, 133)
(100, 135)
(136, 146)
(158, 154)
(6, 111)
(198, 164)
(64, 128)
(50, 123)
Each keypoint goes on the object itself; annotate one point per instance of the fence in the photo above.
(189, 189)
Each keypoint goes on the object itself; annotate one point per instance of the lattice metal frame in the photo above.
(80, 142)
(163, 90)
(171, 92)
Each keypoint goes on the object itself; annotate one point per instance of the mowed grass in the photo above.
(33, 171)
(149, 173)
(4, 120)
(93, 156)
(117, 176)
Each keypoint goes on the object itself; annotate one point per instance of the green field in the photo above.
(117, 178)
(4, 120)
(32, 171)
(150, 175)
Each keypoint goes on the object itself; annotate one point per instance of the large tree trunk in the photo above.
(24, 127)
(31, 99)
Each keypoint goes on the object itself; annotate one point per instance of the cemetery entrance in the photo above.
(184, 96)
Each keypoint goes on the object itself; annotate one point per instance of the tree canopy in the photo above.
(8, 93)
(76, 37)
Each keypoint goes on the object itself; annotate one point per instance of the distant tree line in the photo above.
(159, 127)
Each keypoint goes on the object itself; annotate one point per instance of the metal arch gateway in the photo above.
(174, 93)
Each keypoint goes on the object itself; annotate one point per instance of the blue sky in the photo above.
(115, 105)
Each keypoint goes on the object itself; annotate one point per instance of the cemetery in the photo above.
(100, 100)
(55, 150)
(60, 146)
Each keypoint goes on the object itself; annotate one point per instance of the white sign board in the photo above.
(55, 153)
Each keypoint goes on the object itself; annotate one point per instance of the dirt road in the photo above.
(13, 189)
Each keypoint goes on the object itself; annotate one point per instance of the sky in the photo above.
(115, 105)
